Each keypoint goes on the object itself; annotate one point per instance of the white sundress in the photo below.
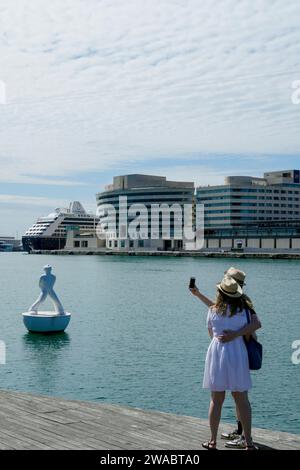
(226, 364)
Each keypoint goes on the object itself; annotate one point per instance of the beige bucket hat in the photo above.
(230, 287)
(236, 274)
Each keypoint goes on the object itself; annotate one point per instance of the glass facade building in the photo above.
(148, 191)
(244, 202)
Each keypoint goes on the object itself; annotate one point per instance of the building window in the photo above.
(76, 244)
(84, 244)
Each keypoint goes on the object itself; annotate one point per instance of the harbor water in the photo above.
(138, 337)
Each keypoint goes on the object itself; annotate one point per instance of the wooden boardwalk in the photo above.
(40, 422)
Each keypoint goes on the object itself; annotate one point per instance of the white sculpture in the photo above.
(46, 322)
(46, 284)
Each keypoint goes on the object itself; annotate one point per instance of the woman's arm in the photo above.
(210, 333)
(248, 330)
(195, 291)
(254, 318)
(251, 327)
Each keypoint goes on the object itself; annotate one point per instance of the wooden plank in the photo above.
(38, 422)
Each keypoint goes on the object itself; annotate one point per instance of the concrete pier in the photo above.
(191, 254)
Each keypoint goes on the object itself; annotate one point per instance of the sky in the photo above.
(188, 89)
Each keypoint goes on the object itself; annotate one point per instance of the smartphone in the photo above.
(192, 282)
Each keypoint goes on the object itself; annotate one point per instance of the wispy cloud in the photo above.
(96, 86)
(9, 177)
(31, 201)
(154, 77)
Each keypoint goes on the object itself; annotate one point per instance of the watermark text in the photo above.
(2, 92)
(295, 358)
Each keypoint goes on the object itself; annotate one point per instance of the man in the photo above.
(235, 438)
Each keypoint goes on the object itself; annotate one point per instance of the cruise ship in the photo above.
(50, 232)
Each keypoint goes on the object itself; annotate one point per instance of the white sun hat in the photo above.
(230, 287)
(237, 274)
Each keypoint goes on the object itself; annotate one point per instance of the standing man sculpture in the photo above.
(46, 285)
(37, 321)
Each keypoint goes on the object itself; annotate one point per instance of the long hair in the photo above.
(224, 302)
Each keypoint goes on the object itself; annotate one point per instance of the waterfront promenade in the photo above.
(42, 422)
(187, 254)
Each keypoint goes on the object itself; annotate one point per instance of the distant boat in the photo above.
(6, 246)
(50, 232)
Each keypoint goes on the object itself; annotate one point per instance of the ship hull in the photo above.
(43, 243)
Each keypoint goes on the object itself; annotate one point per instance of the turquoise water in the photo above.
(138, 337)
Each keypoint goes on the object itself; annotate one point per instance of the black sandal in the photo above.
(210, 445)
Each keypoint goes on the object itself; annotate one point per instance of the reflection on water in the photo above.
(44, 354)
(51, 343)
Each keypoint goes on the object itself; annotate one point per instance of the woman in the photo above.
(235, 439)
(226, 365)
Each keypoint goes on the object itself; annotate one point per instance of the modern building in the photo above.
(83, 241)
(245, 213)
(253, 212)
(149, 191)
(246, 200)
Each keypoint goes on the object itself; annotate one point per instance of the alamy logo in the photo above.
(157, 222)
(296, 354)
(2, 352)
(2, 92)
(296, 94)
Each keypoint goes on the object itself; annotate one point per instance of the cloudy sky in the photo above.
(190, 89)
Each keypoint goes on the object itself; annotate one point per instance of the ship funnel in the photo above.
(77, 208)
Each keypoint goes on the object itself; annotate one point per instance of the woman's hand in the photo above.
(227, 336)
(194, 291)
